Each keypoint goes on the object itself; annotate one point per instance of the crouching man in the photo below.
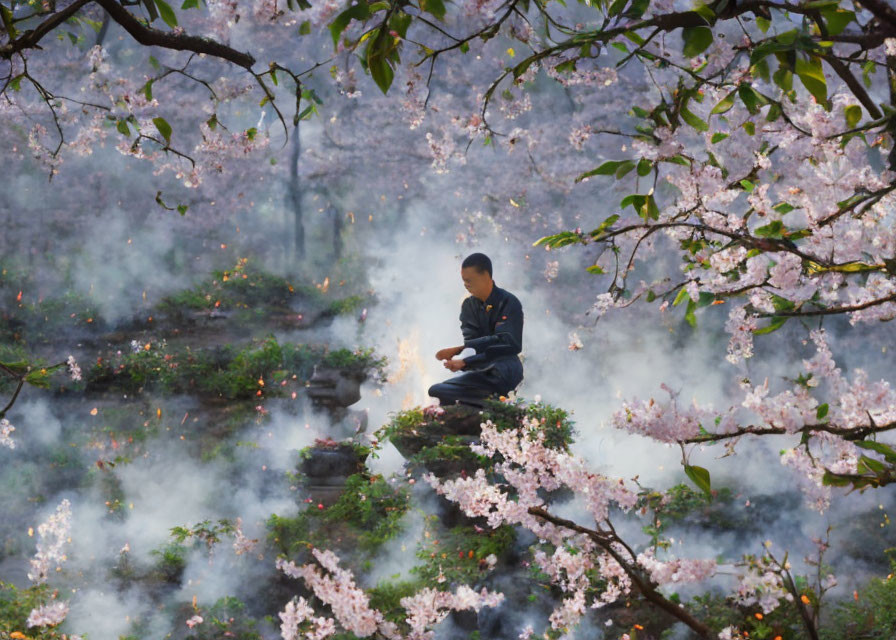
(491, 320)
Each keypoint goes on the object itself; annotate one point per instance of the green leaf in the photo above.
(644, 205)
(182, 209)
(875, 465)
(782, 304)
(705, 12)
(776, 323)
(700, 477)
(760, 70)
(624, 168)
(122, 127)
(608, 168)
(164, 129)
(306, 112)
(603, 226)
(520, 69)
(693, 120)
(167, 13)
(595, 269)
(821, 411)
(652, 210)
(783, 207)
(705, 299)
(678, 159)
(718, 137)
(38, 378)
(559, 240)
(8, 21)
(752, 100)
(725, 103)
(774, 229)
(434, 7)
(831, 479)
(634, 37)
(696, 40)
(682, 294)
(644, 167)
(637, 9)
(358, 11)
(853, 114)
(784, 79)
(190, 4)
(689, 314)
(763, 24)
(811, 75)
(879, 447)
(147, 90)
(378, 64)
(616, 7)
(837, 19)
(305, 28)
(399, 22)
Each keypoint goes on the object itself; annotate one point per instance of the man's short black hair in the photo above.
(478, 260)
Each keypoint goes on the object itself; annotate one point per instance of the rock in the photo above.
(334, 388)
(326, 468)
(331, 463)
(457, 420)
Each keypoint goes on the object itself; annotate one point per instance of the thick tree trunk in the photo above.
(295, 197)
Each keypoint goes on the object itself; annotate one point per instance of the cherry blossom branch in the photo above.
(827, 311)
(644, 584)
(790, 585)
(31, 38)
(178, 42)
(859, 433)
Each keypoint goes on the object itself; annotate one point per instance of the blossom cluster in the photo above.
(6, 429)
(241, 543)
(853, 404)
(52, 537)
(350, 605)
(73, 368)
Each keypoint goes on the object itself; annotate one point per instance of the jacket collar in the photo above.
(493, 297)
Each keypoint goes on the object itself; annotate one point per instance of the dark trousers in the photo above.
(471, 387)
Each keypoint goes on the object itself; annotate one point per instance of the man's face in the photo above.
(476, 282)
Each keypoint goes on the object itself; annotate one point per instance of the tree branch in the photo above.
(30, 38)
(644, 586)
(881, 10)
(168, 40)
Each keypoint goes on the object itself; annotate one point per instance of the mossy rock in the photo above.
(331, 463)
(416, 430)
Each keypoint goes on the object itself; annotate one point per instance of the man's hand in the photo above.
(455, 365)
(448, 353)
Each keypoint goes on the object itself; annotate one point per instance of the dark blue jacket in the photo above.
(494, 328)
